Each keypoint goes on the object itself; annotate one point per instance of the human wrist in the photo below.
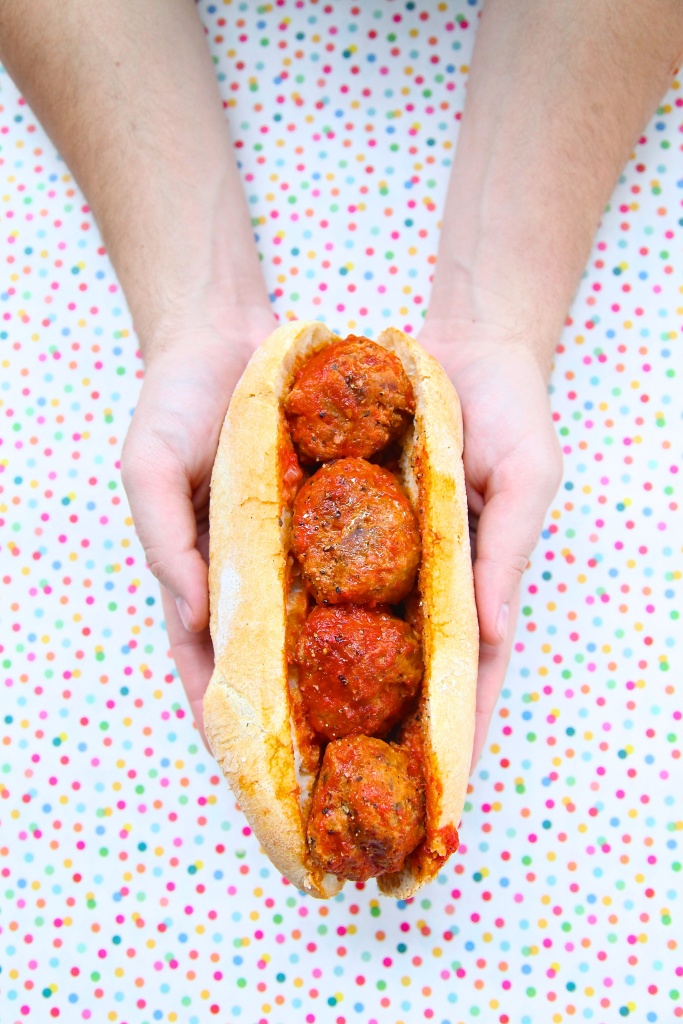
(211, 328)
(468, 323)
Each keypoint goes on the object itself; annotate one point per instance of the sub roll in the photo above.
(341, 708)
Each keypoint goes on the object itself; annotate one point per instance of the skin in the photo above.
(185, 256)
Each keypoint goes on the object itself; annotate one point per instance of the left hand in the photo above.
(513, 467)
(166, 468)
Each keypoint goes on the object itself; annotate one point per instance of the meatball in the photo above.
(355, 535)
(367, 813)
(358, 670)
(413, 610)
(409, 738)
(351, 399)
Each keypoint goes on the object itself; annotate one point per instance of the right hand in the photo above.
(513, 467)
(166, 468)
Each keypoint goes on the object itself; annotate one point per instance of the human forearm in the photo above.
(126, 90)
(558, 93)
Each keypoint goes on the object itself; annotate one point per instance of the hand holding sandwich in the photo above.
(534, 167)
(166, 468)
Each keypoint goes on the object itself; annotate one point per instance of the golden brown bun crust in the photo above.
(246, 708)
(450, 635)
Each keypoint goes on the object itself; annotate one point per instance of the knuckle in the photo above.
(513, 566)
(132, 465)
(517, 566)
(128, 474)
(157, 564)
(556, 479)
(190, 645)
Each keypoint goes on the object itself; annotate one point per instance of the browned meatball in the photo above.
(356, 535)
(413, 610)
(351, 399)
(367, 813)
(409, 737)
(359, 669)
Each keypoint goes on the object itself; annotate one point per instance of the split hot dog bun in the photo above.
(248, 711)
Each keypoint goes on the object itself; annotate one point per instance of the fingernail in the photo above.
(502, 621)
(184, 611)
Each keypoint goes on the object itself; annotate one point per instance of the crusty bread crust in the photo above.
(434, 476)
(247, 707)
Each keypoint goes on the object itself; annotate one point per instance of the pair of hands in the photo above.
(512, 462)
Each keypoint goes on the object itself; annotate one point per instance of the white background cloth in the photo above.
(131, 889)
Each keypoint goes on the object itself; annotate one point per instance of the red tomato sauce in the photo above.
(356, 665)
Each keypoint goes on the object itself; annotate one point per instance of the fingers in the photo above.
(507, 532)
(493, 663)
(193, 655)
(161, 504)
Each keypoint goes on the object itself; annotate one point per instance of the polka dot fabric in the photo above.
(132, 891)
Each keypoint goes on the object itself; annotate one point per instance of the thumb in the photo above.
(160, 498)
(507, 533)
